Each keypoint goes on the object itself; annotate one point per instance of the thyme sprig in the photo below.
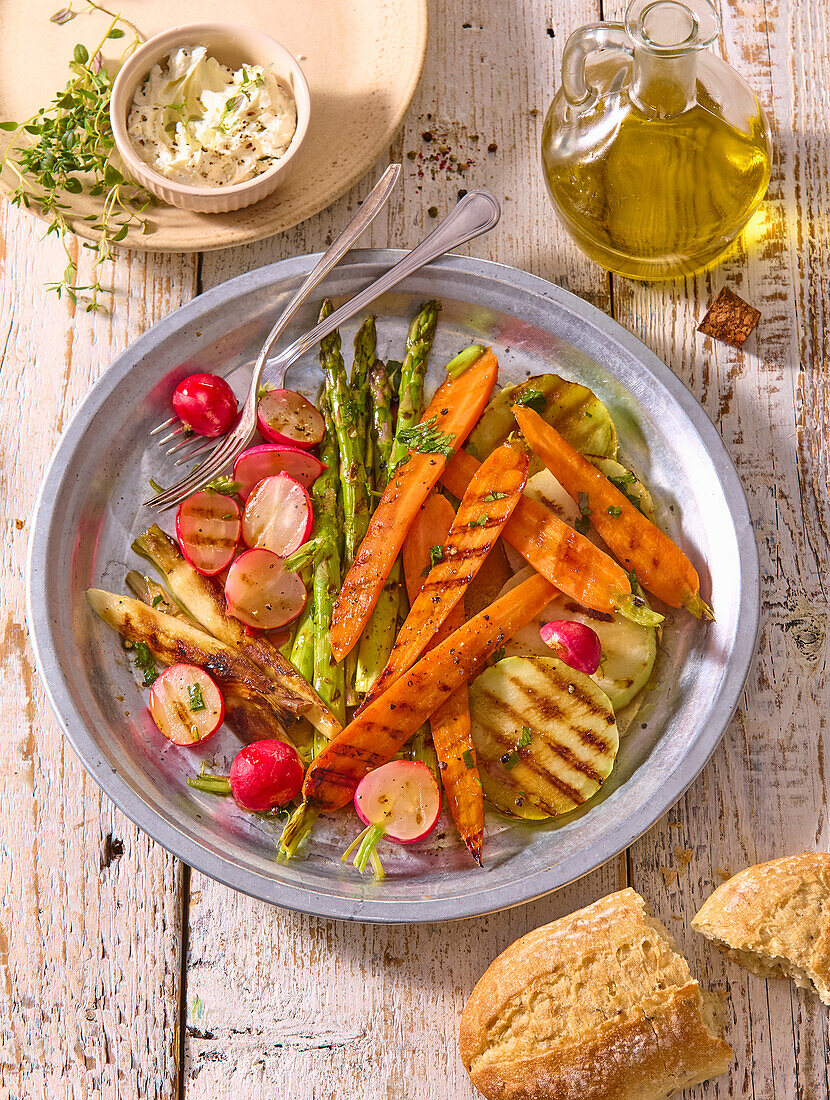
(66, 149)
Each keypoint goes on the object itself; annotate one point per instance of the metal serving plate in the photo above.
(88, 513)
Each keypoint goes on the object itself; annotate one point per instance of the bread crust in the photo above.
(595, 1006)
(774, 919)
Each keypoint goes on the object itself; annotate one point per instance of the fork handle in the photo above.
(478, 212)
(371, 207)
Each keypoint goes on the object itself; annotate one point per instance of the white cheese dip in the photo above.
(197, 122)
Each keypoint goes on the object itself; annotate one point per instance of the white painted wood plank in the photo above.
(90, 907)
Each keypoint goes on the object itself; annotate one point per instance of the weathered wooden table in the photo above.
(123, 974)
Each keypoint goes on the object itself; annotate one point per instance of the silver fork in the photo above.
(478, 212)
(369, 210)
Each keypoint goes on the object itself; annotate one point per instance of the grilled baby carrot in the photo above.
(451, 416)
(661, 567)
(450, 724)
(554, 549)
(379, 732)
(485, 507)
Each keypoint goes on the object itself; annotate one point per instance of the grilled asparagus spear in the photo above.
(379, 635)
(204, 600)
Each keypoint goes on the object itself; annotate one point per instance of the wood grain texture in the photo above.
(90, 907)
(278, 1005)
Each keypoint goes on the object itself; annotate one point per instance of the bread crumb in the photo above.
(676, 825)
(669, 876)
(723, 874)
(683, 857)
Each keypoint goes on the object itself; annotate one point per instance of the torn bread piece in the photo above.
(596, 1006)
(774, 919)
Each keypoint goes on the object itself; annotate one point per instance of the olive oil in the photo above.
(655, 151)
(665, 197)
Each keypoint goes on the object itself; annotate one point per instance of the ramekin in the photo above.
(234, 45)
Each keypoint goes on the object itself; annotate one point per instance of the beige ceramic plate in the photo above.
(362, 60)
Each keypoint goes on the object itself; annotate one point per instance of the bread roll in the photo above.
(774, 919)
(596, 1006)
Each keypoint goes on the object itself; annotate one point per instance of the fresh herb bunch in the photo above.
(66, 148)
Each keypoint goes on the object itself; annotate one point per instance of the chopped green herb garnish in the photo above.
(525, 738)
(480, 522)
(427, 438)
(223, 484)
(531, 399)
(583, 524)
(154, 485)
(436, 554)
(499, 654)
(614, 510)
(622, 479)
(146, 662)
(157, 599)
(490, 497)
(632, 580)
(459, 363)
(467, 757)
(510, 760)
(194, 694)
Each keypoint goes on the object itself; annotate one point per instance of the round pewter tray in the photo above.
(88, 513)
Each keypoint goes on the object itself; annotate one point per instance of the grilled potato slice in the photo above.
(570, 749)
(572, 409)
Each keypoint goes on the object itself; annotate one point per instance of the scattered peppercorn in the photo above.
(427, 136)
(433, 211)
(492, 147)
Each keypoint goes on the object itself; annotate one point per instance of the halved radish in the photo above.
(284, 416)
(186, 704)
(257, 463)
(260, 593)
(278, 515)
(400, 798)
(208, 526)
(265, 774)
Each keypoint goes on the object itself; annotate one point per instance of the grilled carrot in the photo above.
(661, 566)
(485, 507)
(450, 724)
(554, 549)
(452, 414)
(379, 732)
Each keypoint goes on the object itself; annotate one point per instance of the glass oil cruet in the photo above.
(655, 151)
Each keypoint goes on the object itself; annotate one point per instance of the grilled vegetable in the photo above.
(452, 413)
(572, 409)
(376, 735)
(208, 528)
(264, 775)
(544, 733)
(286, 417)
(205, 602)
(557, 551)
(661, 567)
(249, 719)
(379, 636)
(173, 640)
(278, 515)
(628, 650)
(627, 482)
(486, 506)
(450, 723)
(261, 593)
(269, 459)
(186, 705)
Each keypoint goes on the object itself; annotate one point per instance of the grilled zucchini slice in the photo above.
(572, 741)
(573, 410)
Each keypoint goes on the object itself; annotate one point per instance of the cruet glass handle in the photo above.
(585, 41)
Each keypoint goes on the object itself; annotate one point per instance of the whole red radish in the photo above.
(574, 643)
(186, 704)
(206, 404)
(278, 515)
(208, 526)
(261, 593)
(266, 774)
(267, 459)
(284, 416)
